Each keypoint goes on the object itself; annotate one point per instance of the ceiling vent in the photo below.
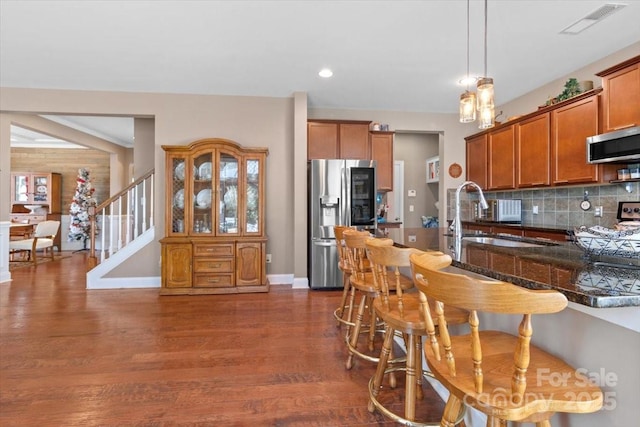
(592, 18)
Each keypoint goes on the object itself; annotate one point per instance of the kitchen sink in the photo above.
(502, 242)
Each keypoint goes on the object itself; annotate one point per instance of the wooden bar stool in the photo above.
(494, 372)
(400, 312)
(361, 282)
(345, 268)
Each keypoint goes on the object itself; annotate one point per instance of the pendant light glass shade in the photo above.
(487, 117)
(467, 107)
(485, 93)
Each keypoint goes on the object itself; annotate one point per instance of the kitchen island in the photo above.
(599, 332)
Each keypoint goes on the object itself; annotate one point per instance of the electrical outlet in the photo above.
(410, 208)
(412, 238)
(597, 211)
(268, 258)
(535, 210)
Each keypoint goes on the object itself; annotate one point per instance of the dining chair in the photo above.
(42, 239)
(497, 373)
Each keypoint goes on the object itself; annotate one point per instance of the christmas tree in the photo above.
(80, 227)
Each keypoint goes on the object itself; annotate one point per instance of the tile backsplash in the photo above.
(558, 207)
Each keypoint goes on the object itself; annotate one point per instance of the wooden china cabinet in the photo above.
(215, 241)
(42, 191)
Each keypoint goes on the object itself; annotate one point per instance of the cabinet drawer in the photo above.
(213, 280)
(33, 219)
(204, 265)
(203, 249)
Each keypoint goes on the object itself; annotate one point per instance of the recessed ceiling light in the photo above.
(326, 73)
(467, 80)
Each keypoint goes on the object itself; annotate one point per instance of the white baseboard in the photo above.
(127, 283)
(300, 283)
(280, 279)
(288, 279)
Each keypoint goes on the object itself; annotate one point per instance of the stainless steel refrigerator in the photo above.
(341, 192)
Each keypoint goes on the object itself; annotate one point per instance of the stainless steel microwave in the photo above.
(622, 146)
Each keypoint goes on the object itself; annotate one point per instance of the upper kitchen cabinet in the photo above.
(502, 156)
(382, 153)
(533, 151)
(547, 147)
(337, 139)
(571, 124)
(621, 92)
(215, 238)
(31, 188)
(477, 159)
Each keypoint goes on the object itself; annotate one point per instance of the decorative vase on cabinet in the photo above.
(214, 219)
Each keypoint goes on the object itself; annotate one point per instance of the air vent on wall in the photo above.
(592, 18)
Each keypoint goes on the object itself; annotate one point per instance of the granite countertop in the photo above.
(598, 282)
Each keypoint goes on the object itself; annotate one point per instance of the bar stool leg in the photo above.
(372, 323)
(345, 295)
(452, 411)
(382, 366)
(356, 330)
(352, 300)
(410, 379)
(419, 371)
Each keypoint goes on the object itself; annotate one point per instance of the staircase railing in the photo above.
(121, 219)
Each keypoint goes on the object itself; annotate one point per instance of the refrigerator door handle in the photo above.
(324, 242)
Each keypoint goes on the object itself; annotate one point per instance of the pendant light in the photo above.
(467, 99)
(486, 108)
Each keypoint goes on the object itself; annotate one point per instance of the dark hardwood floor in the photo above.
(72, 357)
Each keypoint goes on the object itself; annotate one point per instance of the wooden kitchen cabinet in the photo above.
(354, 141)
(530, 160)
(337, 139)
(502, 263)
(215, 240)
(382, 153)
(571, 125)
(502, 159)
(477, 169)
(621, 95)
(533, 151)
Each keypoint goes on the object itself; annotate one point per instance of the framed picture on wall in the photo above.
(433, 169)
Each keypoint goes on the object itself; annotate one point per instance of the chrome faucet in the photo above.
(456, 226)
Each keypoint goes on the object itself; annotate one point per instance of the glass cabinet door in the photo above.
(203, 194)
(178, 216)
(228, 194)
(40, 188)
(21, 189)
(252, 194)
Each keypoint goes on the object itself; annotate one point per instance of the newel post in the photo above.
(92, 261)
